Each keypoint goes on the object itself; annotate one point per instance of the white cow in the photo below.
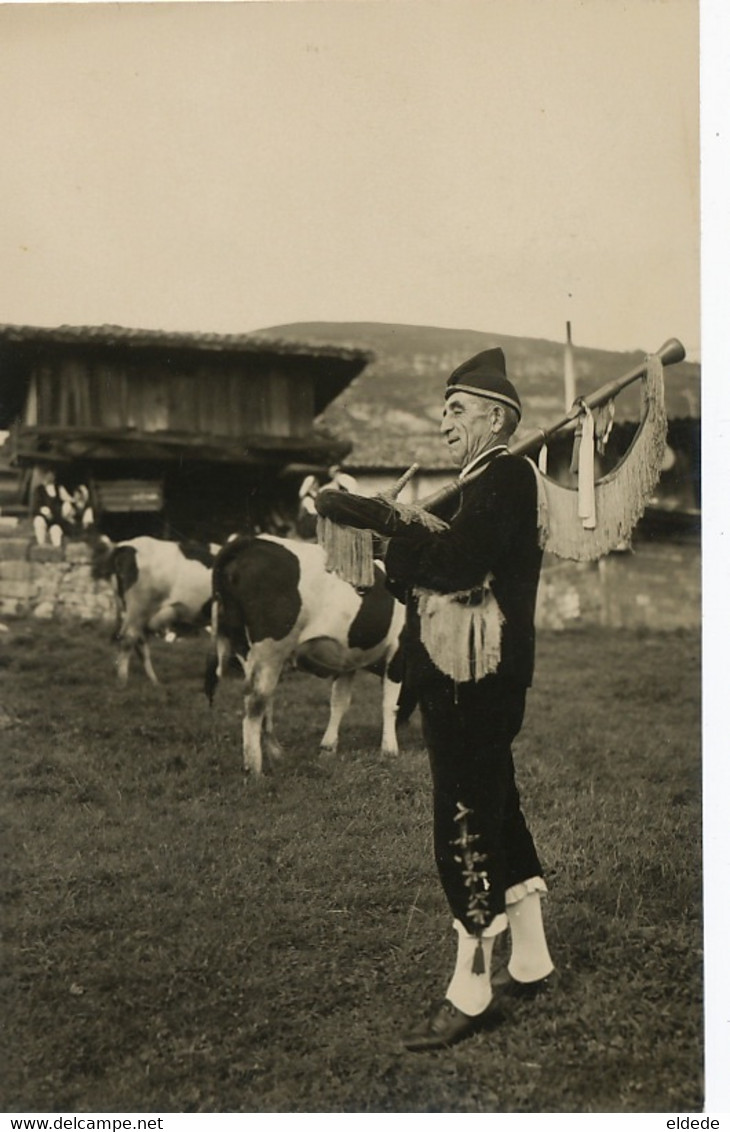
(159, 583)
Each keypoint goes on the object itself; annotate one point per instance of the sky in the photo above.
(496, 165)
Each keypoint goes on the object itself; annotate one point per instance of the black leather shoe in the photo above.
(447, 1025)
(504, 986)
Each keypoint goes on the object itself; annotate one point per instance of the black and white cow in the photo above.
(274, 600)
(159, 583)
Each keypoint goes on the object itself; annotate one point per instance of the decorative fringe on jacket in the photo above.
(462, 632)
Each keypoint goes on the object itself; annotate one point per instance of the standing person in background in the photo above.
(470, 593)
(339, 479)
(310, 488)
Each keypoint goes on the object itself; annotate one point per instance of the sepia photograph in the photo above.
(353, 504)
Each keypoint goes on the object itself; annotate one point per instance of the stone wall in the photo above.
(658, 585)
(45, 581)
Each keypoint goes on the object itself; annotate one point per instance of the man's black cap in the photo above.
(485, 375)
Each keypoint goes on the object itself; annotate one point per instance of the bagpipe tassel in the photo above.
(349, 549)
(478, 966)
(348, 552)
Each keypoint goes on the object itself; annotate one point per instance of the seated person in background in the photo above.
(76, 509)
(47, 509)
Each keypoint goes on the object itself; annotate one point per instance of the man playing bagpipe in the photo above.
(466, 562)
(470, 591)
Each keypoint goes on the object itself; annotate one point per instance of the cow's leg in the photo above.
(129, 641)
(143, 648)
(271, 745)
(254, 707)
(262, 676)
(123, 657)
(339, 703)
(391, 691)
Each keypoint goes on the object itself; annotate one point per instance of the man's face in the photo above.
(469, 424)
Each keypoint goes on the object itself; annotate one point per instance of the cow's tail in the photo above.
(111, 561)
(408, 695)
(210, 678)
(215, 660)
(227, 621)
(407, 704)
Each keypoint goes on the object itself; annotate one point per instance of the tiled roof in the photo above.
(127, 336)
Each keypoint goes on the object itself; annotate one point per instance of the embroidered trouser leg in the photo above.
(468, 730)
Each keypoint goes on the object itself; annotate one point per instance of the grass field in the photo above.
(180, 940)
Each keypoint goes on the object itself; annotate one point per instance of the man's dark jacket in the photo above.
(493, 531)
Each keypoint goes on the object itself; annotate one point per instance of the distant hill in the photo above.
(390, 413)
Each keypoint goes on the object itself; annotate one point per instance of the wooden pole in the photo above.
(569, 368)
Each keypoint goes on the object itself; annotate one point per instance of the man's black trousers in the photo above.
(468, 730)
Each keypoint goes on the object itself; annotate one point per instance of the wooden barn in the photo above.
(175, 434)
